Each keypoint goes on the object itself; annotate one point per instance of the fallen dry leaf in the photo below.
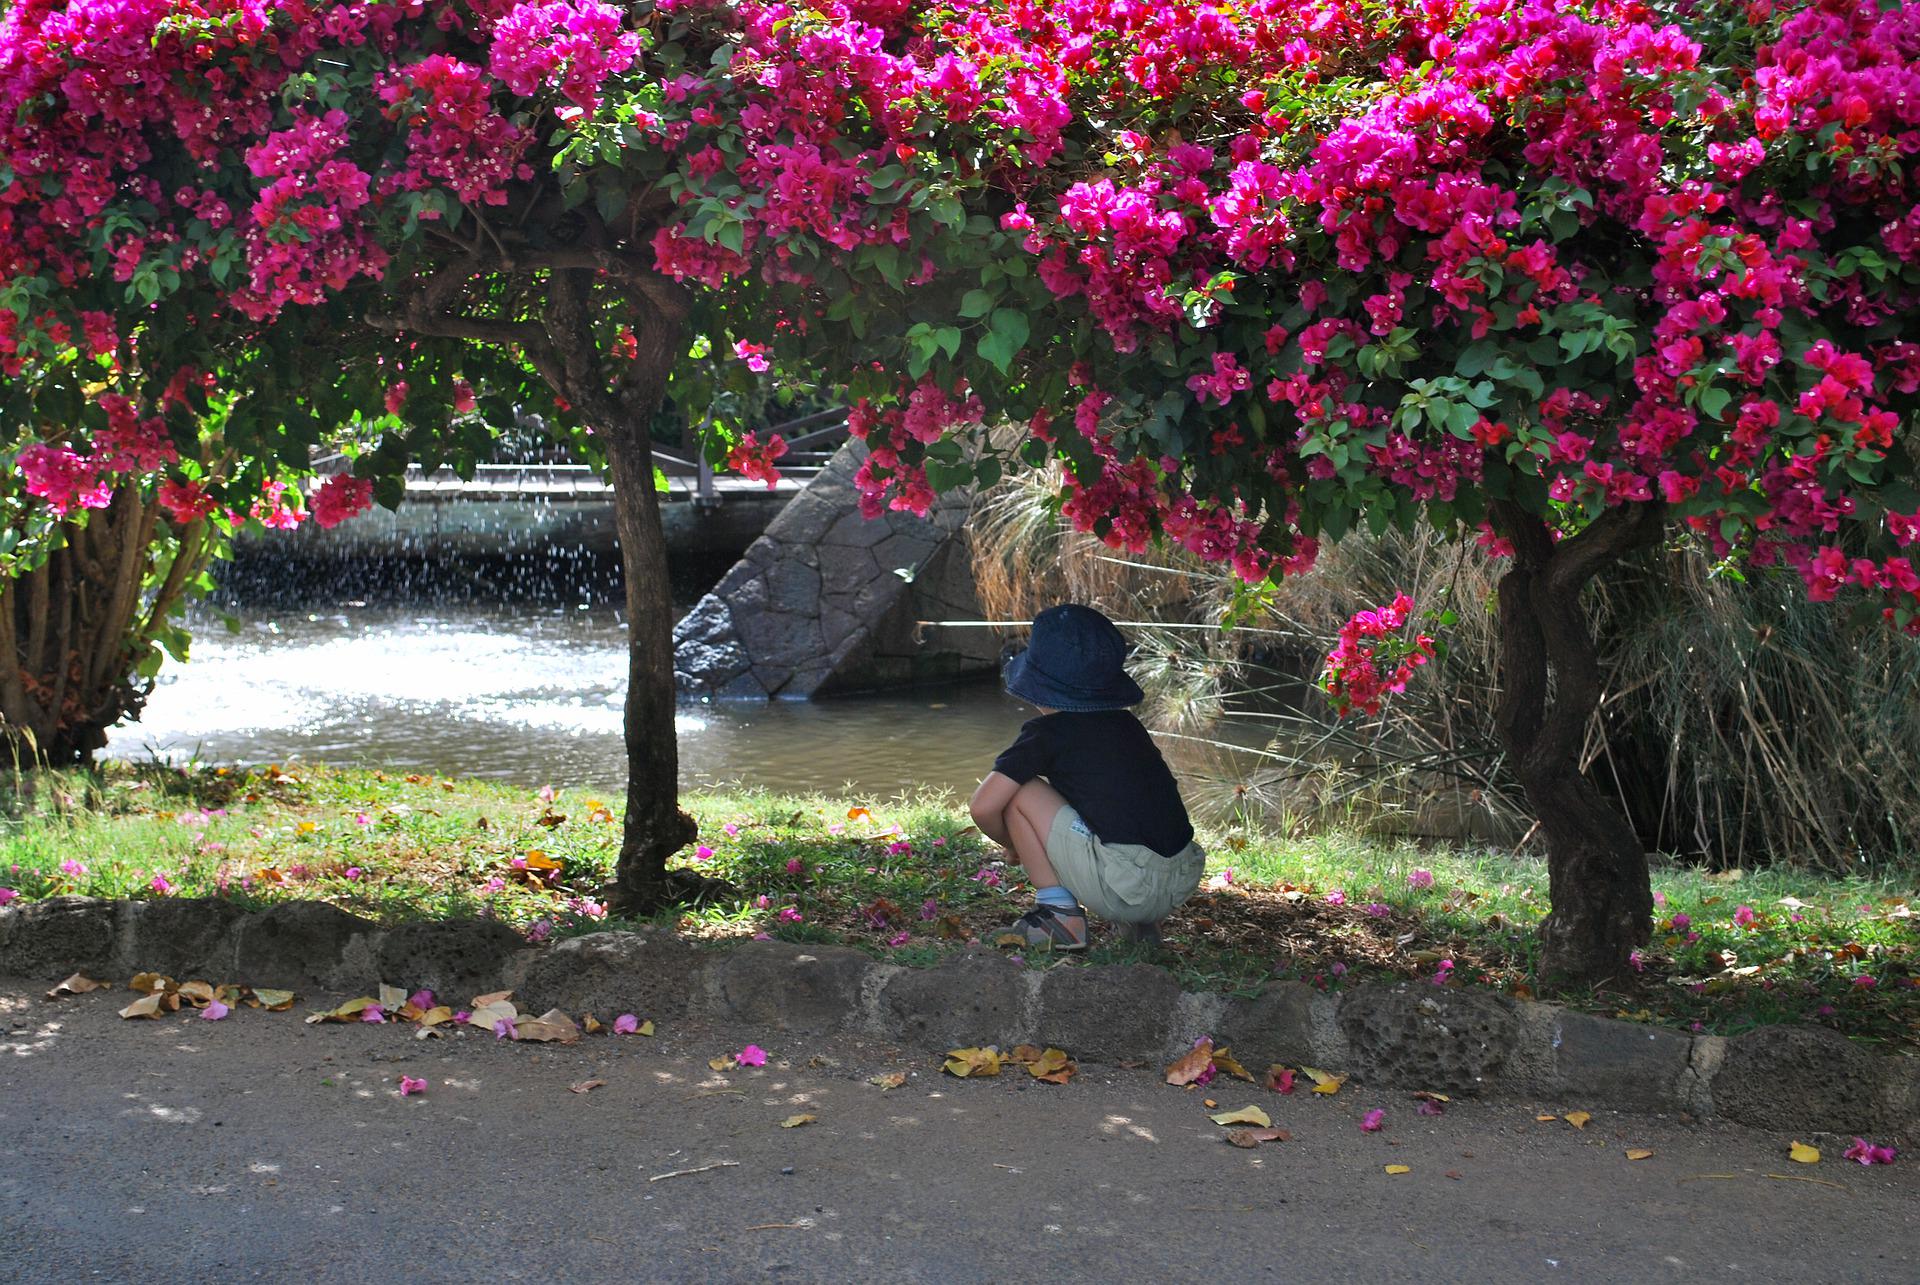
(585, 1086)
(147, 983)
(795, 1121)
(1193, 1065)
(724, 1062)
(1323, 1081)
(1052, 1067)
(591, 1024)
(1245, 1115)
(551, 1027)
(1254, 1137)
(491, 997)
(198, 994)
(1399, 1168)
(973, 1061)
(1638, 1153)
(78, 984)
(1454, 1174)
(145, 1006)
(891, 1080)
(436, 1015)
(1578, 1119)
(1025, 1054)
(1208, 1103)
(1544, 1118)
(272, 1000)
(347, 1012)
(1224, 1060)
(1422, 1095)
(485, 1016)
(392, 998)
(1799, 1152)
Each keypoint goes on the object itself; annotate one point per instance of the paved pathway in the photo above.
(262, 1148)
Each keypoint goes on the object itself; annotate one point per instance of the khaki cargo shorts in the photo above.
(1127, 883)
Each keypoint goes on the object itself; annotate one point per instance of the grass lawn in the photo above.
(909, 879)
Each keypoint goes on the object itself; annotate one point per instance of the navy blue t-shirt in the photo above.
(1107, 766)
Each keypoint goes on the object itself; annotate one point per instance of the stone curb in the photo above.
(1405, 1036)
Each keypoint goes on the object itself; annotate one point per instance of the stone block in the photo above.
(1428, 1037)
(855, 532)
(1798, 1078)
(57, 936)
(182, 937)
(793, 587)
(1628, 1066)
(1274, 1026)
(807, 518)
(904, 549)
(456, 959)
(972, 998)
(652, 974)
(1108, 1014)
(293, 944)
(844, 572)
(782, 638)
(787, 987)
(741, 687)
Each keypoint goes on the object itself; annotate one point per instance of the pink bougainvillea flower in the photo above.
(1660, 899)
(1282, 1080)
(410, 1085)
(160, 884)
(836, 828)
(504, 1029)
(940, 843)
(362, 819)
(1336, 898)
(1638, 960)
(1745, 917)
(1429, 1107)
(900, 849)
(1682, 921)
(421, 999)
(900, 938)
(540, 931)
(1443, 972)
(373, 1013)
(763, 936)
(789, 915)
(1868, 1154)
(496, 884)
(703, 853)
(72, 867)
(731, 830)
(752, 1055)
(1221, 881)
(462, 1017)
(1864, 982)
(1420, 879)
(353, 872)
(518, 863)
(1378, 909)
(626, 1024)
(7, 895)
(929, 909)
(1374, 1120)
(795, 866)
(546, 794)
(214, 1012)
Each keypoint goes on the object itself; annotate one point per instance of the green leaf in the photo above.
(1012, 324)
(948, 337)
(1475, 358)
(976, 303)
(943, 476)
(987, 471)
(998, 349)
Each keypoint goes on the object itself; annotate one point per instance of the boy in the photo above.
(1082, 796)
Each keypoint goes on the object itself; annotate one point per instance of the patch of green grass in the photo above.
(909, 880)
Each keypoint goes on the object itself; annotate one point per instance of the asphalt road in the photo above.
(261, 1148)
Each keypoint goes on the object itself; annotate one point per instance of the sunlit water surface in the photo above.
(533, 695)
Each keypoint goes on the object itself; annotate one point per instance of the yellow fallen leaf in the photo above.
(78, 984)
(859, 814)
(1208, 1103)
(1578, 1119)
(973, 1061)
(147, 983)
(591, 1024)
(891, 1080)
(307, 827)
(1192, 1065)
(1245, 1115)
(724, 1062)
(551, 1027)
(1052, 1067)
(1638, 1153)
(538, 860)
(198, 994)
(646, 1027)
(1423, 1095)
(1323, 1081)
(1544, 1118)
(1224, 1060)
(1799, 1152)
(492, 997)
(1399, 1168)
(795, 1121)
(435, 1016)
(145, 1006)
(272, 1000)
(1024, 1054)
(347, 1012)
(392, 998)
(485, 1017)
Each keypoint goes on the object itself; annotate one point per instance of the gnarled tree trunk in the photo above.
(75, 628)
(1602, 895)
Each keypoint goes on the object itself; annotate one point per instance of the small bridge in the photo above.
(515, 508)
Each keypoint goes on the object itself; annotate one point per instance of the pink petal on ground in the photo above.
(421, 999)
(372, 1013)
(752, 1055)
(409, 1086)
(1430, 1108)
(626, 1024)
(1374, 1121)
(503, 1029)
(7, 895)
(214, 1012)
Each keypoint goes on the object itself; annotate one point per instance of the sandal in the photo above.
(1042, 929)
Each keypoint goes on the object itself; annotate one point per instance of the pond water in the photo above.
(532, 693)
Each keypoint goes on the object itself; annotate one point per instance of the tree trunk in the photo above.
(1601, 892)
(74, 629)
(655, 827)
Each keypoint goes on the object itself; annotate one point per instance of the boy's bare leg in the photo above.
(1029, 820)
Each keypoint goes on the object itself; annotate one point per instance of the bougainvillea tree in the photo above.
(1565, 279)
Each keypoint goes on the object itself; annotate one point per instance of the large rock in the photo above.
(975, 997)
(1427, 1037)
(181, 937)
(651, 974)
(786, 987)
(56, 935)
(1799, 1078)
(294, 944)
(456, 959)
(1623, 1064)
(1274, 1026)
(1108, 1014)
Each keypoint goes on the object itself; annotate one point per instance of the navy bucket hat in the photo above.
(1075, 662)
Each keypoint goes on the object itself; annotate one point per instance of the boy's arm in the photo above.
(989, 806)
